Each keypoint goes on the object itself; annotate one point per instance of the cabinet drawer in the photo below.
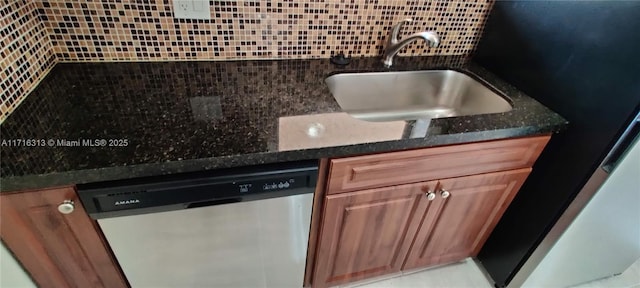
(378, 170)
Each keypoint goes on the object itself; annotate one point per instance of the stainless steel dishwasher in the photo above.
(244, 227)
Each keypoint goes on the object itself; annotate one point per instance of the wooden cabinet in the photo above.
(397, 211)
(368, 233)
(402, 167)
(459, 223)
(58, 250)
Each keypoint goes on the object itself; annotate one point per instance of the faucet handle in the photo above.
(396, 30)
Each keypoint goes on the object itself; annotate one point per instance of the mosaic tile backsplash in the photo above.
(25, 51)
(145, 30)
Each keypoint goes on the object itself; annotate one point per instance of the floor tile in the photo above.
(468, 274)
(462, 274)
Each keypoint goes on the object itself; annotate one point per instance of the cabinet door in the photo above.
(368, 233)
(58, 250)
(458, 225)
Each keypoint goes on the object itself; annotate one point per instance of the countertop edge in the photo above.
(69, 178)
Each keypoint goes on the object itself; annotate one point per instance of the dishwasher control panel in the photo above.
(278, 184)
(197, 190)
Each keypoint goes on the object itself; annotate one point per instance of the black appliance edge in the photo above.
(580, 60)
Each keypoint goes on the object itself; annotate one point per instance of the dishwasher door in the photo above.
(251, 244)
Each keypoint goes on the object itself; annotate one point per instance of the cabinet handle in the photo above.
(66, 207)
(430, 195)
(444, 193)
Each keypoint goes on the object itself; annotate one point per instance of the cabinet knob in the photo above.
(445, 193)
(430, 195)
(66, 207)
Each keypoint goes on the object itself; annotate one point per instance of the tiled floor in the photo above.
(462, 274)
(468, 274)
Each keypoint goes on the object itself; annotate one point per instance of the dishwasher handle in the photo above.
(214, 202)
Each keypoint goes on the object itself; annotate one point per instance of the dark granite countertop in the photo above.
(191, 116)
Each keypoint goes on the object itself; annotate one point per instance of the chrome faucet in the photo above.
(394, 45)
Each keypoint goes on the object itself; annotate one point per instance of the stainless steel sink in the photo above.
(391, 96)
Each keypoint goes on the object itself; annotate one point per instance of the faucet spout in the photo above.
(394, 45)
